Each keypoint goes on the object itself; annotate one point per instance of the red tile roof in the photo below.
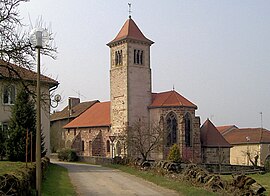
(8, 70)
(76, 111)
(224, 129)
(130, 31)
(96, 116)
(210, 136)
(254, 135)
(170, 99)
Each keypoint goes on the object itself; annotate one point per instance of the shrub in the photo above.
(267, 165)
(67, 154)
(174, 154)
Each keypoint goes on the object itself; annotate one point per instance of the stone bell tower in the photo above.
(130, 77)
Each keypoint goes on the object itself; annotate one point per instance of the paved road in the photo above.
(96, 180)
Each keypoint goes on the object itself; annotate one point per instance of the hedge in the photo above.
(22, 181)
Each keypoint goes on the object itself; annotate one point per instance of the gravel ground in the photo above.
(97, 180)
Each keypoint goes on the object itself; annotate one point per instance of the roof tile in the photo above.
(170, 99)
(76, 111)
(210, 136)
(130, 31)
(9, 70)
(248, 135)
(96, 116)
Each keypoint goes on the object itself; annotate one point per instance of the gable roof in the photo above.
(226, 128)
(9, 70)
(130, 31)
(170, 99)
(76, 111)
(96, 116)
(210, 136)
(248, 135)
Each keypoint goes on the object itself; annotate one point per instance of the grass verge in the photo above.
(57, 182)
(183, 188)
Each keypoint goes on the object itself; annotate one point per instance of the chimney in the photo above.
(72, 102)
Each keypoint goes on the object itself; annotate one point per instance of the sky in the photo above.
(216, 53)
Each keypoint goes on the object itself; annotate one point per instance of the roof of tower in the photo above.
(170, 99)
(130, 31)
(96, 116)
(210, 136)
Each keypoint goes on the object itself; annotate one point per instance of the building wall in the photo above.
(57, 134)
(192, 153)
(5, 110)
(239, 156)
(216, 155)
(265, 151)
(89, 141)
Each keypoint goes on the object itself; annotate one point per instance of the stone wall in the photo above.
(95, 160)
(216, 155)
(90, 141)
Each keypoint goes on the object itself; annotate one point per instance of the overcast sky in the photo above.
(216, 53)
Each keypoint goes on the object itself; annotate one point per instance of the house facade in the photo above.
(250, 145)
(12, 79)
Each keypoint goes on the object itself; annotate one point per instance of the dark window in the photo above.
(188, 134)
(118, 57)
(108, 145)
(135, 51)
(171, 124)
(138, 57)
(74, 132)
(82, 145)
(9, 95)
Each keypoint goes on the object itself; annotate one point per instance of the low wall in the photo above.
(95, 160)
(229, 169)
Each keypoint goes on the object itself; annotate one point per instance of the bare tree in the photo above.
(15, 47)
(143, 139)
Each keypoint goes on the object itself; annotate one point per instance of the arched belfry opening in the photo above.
(188, 130)
(171, 129)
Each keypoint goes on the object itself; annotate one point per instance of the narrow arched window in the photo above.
(171, 126)
(141, 58)
(135, 51)
(108, 145)
(188, 130)
(120, 57)
(138, 57)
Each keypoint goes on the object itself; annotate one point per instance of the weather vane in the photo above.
(129, 10)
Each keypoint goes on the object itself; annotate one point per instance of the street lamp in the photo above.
(38, 38)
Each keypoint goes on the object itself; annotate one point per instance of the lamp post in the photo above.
(38, 38)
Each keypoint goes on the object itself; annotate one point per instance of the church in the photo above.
(96, 131)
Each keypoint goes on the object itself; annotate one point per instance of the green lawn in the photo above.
(7, 166)
(57, 182)
(181, 187)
